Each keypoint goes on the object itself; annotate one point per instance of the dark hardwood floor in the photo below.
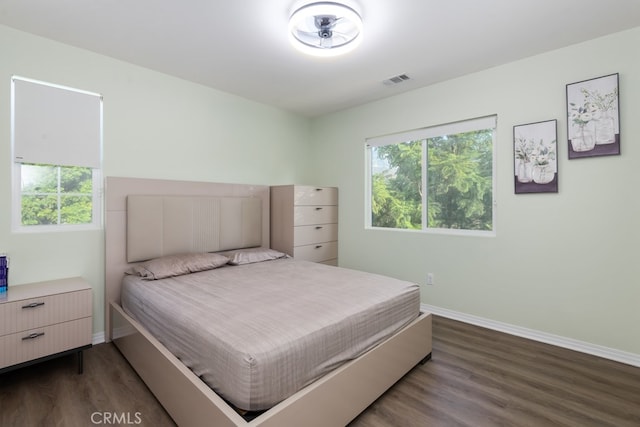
(477, 377)
(54, 394)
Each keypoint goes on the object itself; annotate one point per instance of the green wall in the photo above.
(563, 264)
(155, 126)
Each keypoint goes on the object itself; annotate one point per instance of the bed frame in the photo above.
(333, 400)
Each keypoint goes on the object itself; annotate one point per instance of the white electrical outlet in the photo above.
(429, 278)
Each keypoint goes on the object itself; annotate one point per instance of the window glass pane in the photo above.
(39, 210)
(75, 180)
(75, 209)
(56, 195)
(38, 179)
(460, 181)
(396, 185)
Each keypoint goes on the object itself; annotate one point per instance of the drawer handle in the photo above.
(33, 336)
(318, 209)
(319, 189)
(33, 305)
(319, 227)
(318, 246)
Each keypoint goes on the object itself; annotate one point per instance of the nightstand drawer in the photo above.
(32, 313)
(35, 343)
(307, 195)
(309, 215)
(309, 234)
(316, 253)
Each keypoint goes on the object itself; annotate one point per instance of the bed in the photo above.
(153, 219)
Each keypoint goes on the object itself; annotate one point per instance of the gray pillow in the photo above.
(251, 255)
(176, 265)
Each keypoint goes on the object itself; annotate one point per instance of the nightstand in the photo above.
(40, 321)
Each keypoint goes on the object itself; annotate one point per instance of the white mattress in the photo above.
(258, 333)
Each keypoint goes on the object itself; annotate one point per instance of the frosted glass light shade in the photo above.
(325, 29)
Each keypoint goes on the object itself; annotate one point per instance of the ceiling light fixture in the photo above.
(325, 29)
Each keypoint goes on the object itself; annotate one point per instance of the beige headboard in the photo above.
(168, 217)
(167, 225)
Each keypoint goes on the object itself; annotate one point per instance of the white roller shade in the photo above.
(488, 122)
(55, 125)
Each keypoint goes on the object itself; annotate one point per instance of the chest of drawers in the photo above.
(304, 222)
(43, 320)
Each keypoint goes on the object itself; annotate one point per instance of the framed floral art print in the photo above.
(593, 111)
(535, 160)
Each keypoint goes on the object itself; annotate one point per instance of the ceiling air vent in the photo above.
(396, 79)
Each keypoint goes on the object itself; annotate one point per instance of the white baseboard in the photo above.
(581, 346)
(98, 338)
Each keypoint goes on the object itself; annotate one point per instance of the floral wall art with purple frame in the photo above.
(535, 157)
(593, 111)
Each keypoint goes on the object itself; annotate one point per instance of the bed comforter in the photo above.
(257, 333)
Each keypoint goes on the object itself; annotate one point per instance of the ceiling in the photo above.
(242, 47)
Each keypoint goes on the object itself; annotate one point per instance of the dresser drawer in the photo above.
(32, 313)
(307, 195)
(309, 234)
(310, 215)
(316, 253)
(304, 222)
(39, 342)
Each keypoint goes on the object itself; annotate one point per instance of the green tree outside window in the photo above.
(56, 195)
(459, 183)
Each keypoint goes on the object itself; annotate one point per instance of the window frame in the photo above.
(16, 174)
(96, 206)
(418, 134)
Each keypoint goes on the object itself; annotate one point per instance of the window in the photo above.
(55, 195)
(57, 143)
(436, 178)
